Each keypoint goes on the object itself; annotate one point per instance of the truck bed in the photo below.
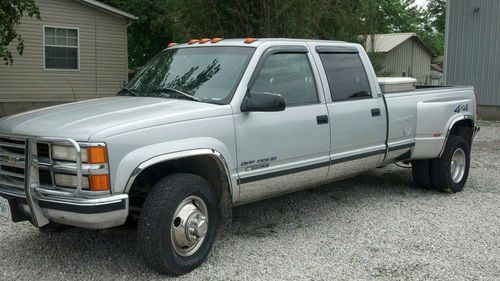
(423, 116)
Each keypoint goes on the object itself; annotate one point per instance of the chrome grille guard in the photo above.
(32, 180)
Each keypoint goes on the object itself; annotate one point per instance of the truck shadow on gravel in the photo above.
(114, 251)
(298, 208)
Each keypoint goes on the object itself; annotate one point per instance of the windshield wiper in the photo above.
(178, 93)
(128, 92)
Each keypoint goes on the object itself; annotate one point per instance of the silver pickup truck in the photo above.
(212, 124)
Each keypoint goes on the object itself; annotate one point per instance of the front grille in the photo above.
(12, 155)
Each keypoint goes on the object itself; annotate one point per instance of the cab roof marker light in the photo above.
(249, 40)
(204, 40)
(216, 40)
(171, 44)
(193, 41)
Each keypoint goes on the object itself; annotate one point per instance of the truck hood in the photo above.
(108, 116)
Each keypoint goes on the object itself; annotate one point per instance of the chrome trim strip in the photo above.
(331, 162)
(19, 185)
(354, 166)
(85, 202)
(281, 184)
(358, 156)
(401, 146)
(10, 174)
(283, 172)
(9, 144)
(179, 155)
(71, 168)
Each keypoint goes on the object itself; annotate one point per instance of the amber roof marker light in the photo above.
(193, 41)
(216, 39)
(204, 40)
(249, 40)
(171, 44)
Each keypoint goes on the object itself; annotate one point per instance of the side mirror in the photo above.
(262, 101)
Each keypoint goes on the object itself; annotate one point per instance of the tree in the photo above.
(165, 21)
(151, 32)
(11, 12)
(434, 25)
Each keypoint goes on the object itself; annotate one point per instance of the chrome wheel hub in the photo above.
(189, 226)
(457, 166)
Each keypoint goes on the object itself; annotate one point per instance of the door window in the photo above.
(290, 75)
(346, 76)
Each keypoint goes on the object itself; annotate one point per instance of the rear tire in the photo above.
(178, 224)
(420, 170)
(449, 172)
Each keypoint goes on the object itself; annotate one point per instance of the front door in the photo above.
(279, 152)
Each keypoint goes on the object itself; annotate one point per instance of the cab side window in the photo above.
(290, 75)
(346, 76)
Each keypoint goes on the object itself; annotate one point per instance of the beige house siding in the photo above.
(409, 58)
(102, 57)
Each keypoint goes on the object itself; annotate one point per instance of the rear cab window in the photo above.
(346, 75)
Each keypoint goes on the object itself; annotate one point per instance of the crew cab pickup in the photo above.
(212, 124)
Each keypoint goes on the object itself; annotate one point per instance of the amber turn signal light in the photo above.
(97, 155)
(99, 182)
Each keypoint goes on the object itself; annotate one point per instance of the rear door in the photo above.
(279, 152)
(357, 112)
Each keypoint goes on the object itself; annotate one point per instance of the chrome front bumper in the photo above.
(102, 212)
(41, 205)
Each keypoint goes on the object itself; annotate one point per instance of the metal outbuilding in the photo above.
(472, 51)
(403, 54)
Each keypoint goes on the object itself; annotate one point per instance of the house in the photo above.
(402, 54)
(472, 56)
(77, 51)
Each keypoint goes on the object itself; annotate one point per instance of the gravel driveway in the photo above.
(376, 226)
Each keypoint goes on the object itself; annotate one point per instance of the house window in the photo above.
(61, 48)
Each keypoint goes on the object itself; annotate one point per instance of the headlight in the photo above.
(70, 181)
(91, 154)
(68, 153)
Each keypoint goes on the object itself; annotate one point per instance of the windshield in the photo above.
(208, 74)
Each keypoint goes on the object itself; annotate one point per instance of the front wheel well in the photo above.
(206, 166)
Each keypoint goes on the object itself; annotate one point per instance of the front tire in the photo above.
(178, 224)
(449, 173)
